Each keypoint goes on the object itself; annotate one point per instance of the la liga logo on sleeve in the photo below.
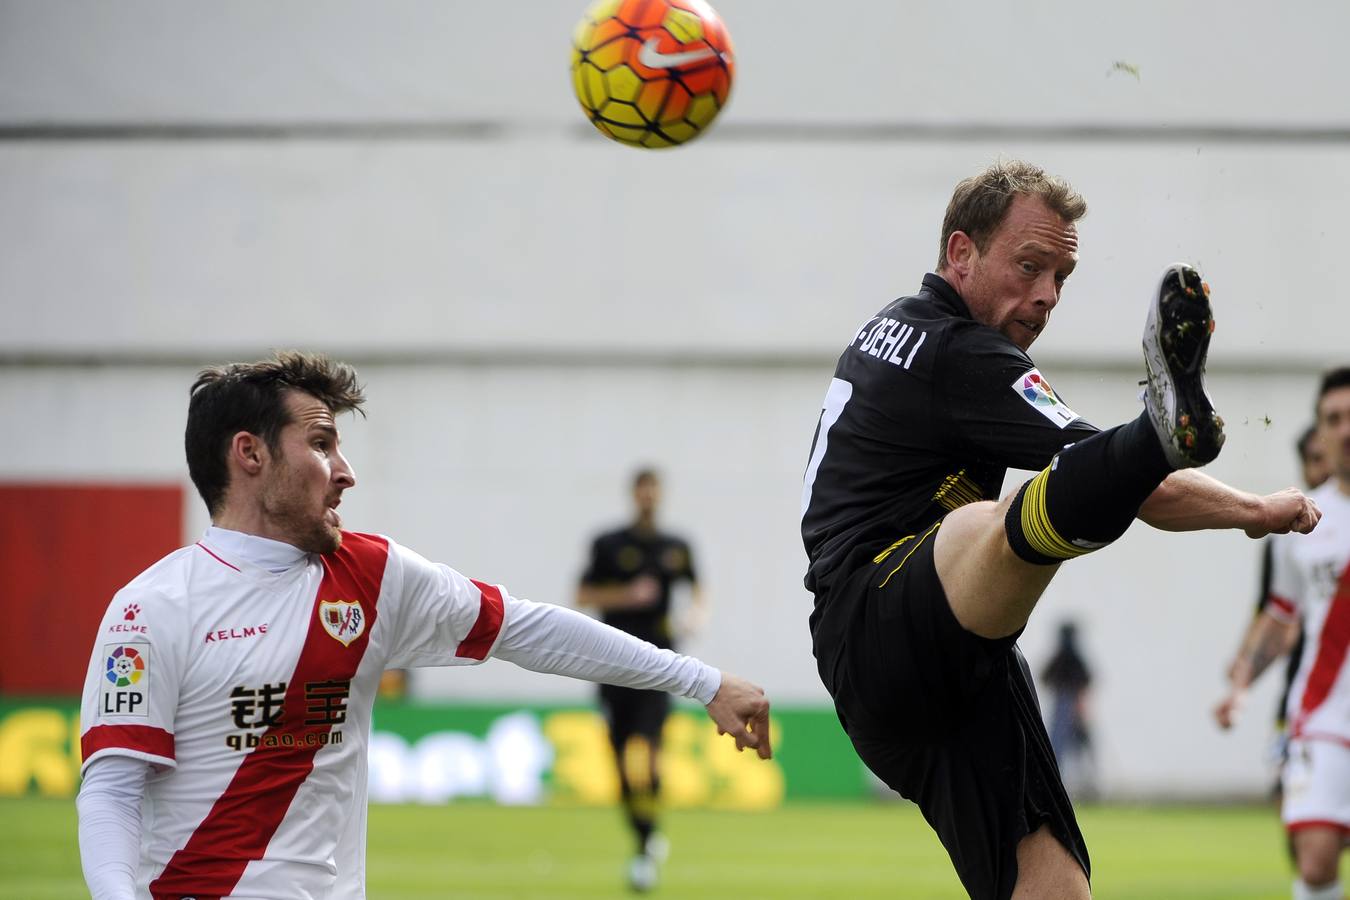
(1040, 396)
(126, 676)
(126, 666)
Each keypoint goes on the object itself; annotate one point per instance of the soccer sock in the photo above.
(1088, 496)
(639, 783)
(639, 818)
(1304, 891)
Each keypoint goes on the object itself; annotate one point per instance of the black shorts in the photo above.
(944, 717)
(632, 712)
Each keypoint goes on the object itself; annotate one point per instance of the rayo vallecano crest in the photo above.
(345, 620)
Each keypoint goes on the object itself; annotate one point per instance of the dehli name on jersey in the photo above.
(889, 339)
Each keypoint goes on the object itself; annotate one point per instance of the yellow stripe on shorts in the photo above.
(917, 545)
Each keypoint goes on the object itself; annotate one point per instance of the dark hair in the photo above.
(226, 400)
(980, 202)
(1305, 441)
(1332, 380)
(643, 475)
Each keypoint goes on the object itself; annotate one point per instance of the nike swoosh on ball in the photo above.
(652, 58)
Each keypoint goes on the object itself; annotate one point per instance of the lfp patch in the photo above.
(126, 680)
(1037, 392)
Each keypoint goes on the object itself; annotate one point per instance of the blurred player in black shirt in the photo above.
(923, 579)
(629, 580)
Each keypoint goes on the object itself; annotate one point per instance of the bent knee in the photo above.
(990, 589)
(979, 523)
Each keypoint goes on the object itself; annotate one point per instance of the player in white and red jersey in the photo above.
(1310, 583)
(227, 709)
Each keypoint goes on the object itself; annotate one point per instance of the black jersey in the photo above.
(617, 557)
(927, 411)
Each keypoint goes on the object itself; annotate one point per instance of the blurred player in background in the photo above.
(1313, 463)
(226, 714)
(1068, 678)
(923, 581)
(1310, 582)
(629, 579)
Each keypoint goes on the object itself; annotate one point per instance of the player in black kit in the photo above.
(629, 579)
(923, 579)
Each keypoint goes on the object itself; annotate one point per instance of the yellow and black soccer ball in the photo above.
(652, 73)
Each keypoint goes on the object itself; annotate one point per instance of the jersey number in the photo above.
(839, 394)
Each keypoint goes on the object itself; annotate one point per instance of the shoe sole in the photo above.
(1176, 342)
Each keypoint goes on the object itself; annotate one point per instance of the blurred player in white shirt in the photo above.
(226, 712)
(1313, 463)
(1310, 581)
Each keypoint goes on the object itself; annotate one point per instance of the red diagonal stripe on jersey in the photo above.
(143, 738)
(1331, 648)
(480, 638)
(247, 814)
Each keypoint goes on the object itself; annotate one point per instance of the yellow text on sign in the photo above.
(39, 753)
(699, 767)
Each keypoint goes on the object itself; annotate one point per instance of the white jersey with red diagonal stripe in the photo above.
(1310, 580)
(251, 693)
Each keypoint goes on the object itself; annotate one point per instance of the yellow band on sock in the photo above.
(1036, 527)
(638, 761)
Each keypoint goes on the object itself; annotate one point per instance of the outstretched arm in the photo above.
(1190, 500)
(547, 638)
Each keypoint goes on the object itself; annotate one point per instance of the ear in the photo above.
(248, 452)
(961, 253)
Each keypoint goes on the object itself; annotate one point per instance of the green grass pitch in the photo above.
(803, 850)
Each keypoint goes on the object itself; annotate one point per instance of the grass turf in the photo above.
(804, 850)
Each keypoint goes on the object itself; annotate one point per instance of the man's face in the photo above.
(1015, 283)
(646, 497)
(306, 476)
(1333, 430)
(1315, 469)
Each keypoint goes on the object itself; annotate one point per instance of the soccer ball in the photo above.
(651, 73)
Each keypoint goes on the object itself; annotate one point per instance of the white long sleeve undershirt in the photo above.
(109, 805)
(560, 641)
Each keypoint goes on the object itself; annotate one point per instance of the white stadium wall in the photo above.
(536, 311)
